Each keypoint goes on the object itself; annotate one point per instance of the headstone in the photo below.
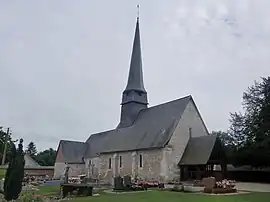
(118, 183)
(127, 181)
(209, 182)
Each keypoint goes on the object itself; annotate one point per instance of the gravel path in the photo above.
(254, 187)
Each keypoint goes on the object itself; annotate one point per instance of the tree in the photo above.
(3, 137)
(46, 157)
(228, 145)
(31, 149)
(15, 173)
(251, 129)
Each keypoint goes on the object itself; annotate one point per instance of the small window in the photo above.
(120, 161)
(110, 163)
(141, 163)
(90, 162)
(190, 132)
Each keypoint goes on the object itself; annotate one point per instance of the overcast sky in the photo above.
(64, 64)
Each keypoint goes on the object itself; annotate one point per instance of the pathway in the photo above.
(254, 187)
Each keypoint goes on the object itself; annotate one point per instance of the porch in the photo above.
(199, 158)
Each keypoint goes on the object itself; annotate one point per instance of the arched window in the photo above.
(141, 161)
(110, 163)
(120, 161)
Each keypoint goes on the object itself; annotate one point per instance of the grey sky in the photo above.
(64, 64)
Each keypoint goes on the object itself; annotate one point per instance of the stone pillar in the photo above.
(168, 171)
(97, 167)
(89, 167)
(115, 165)
(134, 164)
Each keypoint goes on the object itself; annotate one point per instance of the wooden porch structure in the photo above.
(199, 158)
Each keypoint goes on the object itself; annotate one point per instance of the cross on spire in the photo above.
(138, 12)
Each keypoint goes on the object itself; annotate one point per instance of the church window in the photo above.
(190, 132)
(120, 161)
(110, 163)
(141, 161)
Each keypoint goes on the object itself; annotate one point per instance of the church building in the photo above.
(165, 142)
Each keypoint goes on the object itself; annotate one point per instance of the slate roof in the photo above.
(29, 161)
(152, 129)
(72, 151)
(135, 78)
(198, 150)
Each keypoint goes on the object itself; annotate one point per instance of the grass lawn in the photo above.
(48, 190)
(163, 196)
(2, 173)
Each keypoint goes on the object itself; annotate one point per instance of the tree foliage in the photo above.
(228, 145)
(46, 157)
(2, 145)
(250, 130)
(15, 173)
(31, 149)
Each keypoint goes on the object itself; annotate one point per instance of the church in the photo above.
(165, 142)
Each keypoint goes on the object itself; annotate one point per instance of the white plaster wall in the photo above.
(59, 169)
(76, 169)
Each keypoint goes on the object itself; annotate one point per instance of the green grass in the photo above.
(2, 173)
(161, 196)
(48, 190)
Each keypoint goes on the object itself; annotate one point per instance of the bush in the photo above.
(14, 174)
(29, 197)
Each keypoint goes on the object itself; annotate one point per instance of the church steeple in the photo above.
(134, 96)
(135, 78)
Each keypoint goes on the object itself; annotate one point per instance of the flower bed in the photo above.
(222, 187)
(223, 190)
(149, 183)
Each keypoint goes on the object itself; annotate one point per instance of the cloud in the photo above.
(64, 64)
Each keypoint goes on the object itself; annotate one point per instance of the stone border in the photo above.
(226, 194)
(124, 192)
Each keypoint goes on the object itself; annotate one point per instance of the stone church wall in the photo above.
(74, 170)
(157, 164)
(190, 124)
(130, 164)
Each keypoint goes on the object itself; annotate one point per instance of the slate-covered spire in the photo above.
(134, 96)
(135, 78)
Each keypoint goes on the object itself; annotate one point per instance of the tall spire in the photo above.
(134, 96)
(135, 78)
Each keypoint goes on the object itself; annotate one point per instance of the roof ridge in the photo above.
(72, 141)
(155, 106)
(168, 102)
(100, 133)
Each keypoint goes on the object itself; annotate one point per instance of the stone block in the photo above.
(209, 182)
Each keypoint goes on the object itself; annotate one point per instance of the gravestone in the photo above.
(127, 181)
(118, 183)
(209, 182)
